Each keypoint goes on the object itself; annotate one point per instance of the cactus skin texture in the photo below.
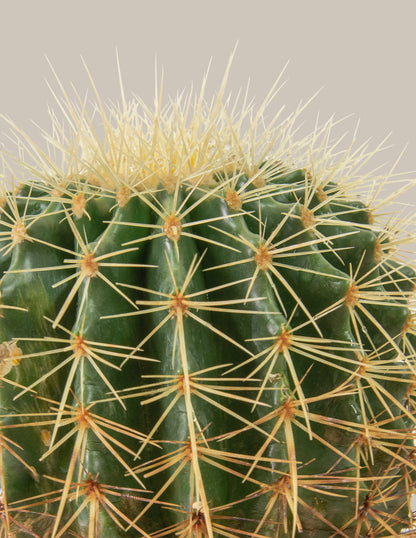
(204, 332)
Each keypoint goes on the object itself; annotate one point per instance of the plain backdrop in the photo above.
(360, 54)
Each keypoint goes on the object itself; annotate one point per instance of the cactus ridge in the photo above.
(205, 331)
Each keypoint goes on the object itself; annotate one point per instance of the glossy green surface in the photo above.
(195, 369)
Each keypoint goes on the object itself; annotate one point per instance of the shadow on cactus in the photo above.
(205, 330)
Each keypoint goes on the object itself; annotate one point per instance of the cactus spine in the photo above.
(204, 333)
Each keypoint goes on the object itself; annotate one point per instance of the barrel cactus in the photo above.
(206, 330)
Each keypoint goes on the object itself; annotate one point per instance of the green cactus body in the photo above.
(197, 341)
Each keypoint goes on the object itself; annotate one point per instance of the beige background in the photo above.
(360, 53)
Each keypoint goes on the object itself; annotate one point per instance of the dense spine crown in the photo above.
(203, 333)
